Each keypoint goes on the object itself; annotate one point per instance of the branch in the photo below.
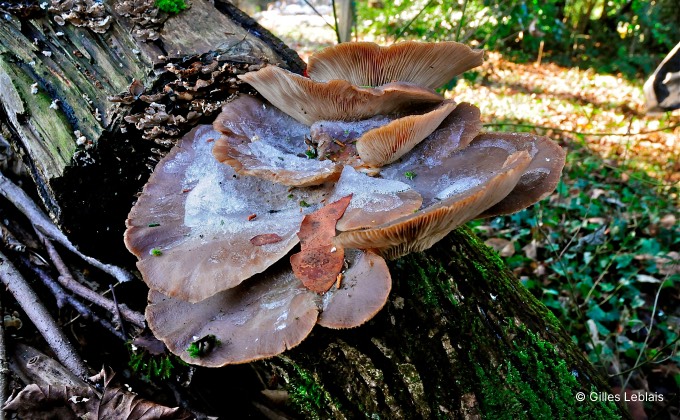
(42, 223)
(40, 317)
(63, 297)
(66, 279)
(3, 365)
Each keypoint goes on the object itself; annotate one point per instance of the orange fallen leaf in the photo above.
(265, 239)
(318, 263)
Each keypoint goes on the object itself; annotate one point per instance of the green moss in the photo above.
(305, 393)
(171, 6)
(422, 283)
(532, 371)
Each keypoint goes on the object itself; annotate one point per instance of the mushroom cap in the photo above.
(461, 201)
(308, 101)
(261, 141)
(367, 64)
(436, 160)
(259, 318)
(539, 179)
(363, 291)
(194, 215)
(385, 144)
(374, 200)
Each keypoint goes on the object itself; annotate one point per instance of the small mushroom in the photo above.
(366, 64)
(262, 141)
(308, 101)
(260, 318)
(388, 143)
(363, 292)
(374, 200)
(539, 179)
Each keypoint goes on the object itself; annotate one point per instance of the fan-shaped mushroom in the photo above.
(222, 210)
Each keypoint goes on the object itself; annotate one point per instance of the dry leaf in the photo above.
(504, 247)
(668, 221)
(531, 249)
(644, 278)
(64, 402)
(265, 239)
(318, 263)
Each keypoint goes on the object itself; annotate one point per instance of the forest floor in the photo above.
(603, 251)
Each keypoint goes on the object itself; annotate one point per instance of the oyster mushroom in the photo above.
(222, 210)
(367, 64)
(308, 101)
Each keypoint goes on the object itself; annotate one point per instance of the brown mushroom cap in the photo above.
(435, 159)
(540, 178)
(461, 202)
(388, 143)
(194, 215)
(308, 101)
(367, 64)
(363, 291)
(260, 318)
(262, 141)
(374, 201)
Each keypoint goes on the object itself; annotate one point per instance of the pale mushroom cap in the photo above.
(374, 200)
(421, 230)
(385, 144)
(367, 64)
(308, 101)
(194, 215)
(260, 318)
(261, 141)
(363, 291)
(539, 179)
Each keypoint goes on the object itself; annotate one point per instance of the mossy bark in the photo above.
(459, 337)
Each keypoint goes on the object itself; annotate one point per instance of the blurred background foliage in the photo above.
(625, 36)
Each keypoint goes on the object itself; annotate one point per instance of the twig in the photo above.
(41, 222)
(41, 318)
(3, 365)
(460, 22)
(67, 280)
(320, 15)
(117, 312)
(402, 30)
(63, 297)
(649, 333)
(562, 130)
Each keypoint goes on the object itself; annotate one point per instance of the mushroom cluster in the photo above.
(358, 162)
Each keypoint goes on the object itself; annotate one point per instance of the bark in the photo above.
(460, 337)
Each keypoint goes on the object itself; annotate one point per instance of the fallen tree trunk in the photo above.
(460, 337)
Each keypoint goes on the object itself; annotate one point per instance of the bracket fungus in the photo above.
(360, 162)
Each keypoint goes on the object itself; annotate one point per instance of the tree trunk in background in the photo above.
(460, 337)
